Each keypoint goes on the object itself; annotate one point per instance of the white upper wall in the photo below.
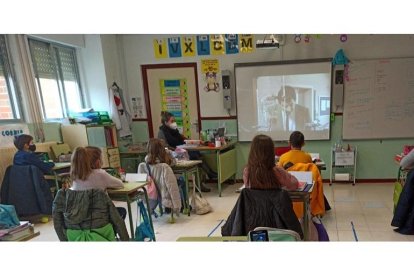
(138, 50)
(92, 68)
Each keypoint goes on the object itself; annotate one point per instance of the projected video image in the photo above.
(279, 99)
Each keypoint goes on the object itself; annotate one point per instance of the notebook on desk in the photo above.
(305, 180)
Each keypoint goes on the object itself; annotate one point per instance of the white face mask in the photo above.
(173, 125)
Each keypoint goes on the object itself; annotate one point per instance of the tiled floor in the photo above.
(362, 212)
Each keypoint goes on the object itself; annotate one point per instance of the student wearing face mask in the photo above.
(26, 156)
(169, 133)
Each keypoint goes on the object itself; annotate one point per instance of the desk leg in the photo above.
(198, 181)
(186, 209)
(306, 218)
(148, 210)
(218, 172)
(131, 222)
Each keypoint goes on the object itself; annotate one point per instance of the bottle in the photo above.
(203, 135)
(218, 142)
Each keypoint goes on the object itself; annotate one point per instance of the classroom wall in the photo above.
(107, 58)
(375, 157)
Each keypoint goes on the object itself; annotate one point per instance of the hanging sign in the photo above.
(246, 43)
(160, 48)
(174, 47)
(7, 133)
(217, 44)
(203, 45)
(232, 43)
(188, 46)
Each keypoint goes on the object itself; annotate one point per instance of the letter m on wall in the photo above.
(246, 43)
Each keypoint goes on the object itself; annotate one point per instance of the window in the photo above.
(9, 108)
(57, 78)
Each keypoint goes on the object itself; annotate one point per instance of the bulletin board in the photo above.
(379, 99)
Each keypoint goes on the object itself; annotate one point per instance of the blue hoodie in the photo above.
(22, 158)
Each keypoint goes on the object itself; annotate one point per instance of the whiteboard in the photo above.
(379, 99)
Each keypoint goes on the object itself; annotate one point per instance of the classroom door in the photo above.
(174, 88)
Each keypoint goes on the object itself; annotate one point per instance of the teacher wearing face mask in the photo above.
(168, 132)
(26, 156)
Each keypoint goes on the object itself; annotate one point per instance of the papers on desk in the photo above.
(185, 146)
(314, 156)
(185, 163)
(305, 177)
(305, 180)
(136, 177)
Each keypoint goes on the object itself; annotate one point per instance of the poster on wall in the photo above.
(188, 46)
(210, 69)
(7, 133)
(160, 48)
(137, 108)
(217, 44)
(246, 43)
(174, 99)
(203, 45)
(174, 47)
(232, 43)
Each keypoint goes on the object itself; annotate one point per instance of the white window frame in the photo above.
(53, 47)
(12, 85)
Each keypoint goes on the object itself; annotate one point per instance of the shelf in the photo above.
(348, 161)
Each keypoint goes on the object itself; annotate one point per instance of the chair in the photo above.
(404, 211)
(281, 150)
(261, 208)
(317, 201)
(88, 215)
(26, 188)
(61, 152)
(167, 186)
(277, 234)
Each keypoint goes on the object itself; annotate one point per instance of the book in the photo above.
(20, 234)
(23, 224)
(307, 188)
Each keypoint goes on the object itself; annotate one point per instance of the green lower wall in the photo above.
(374, 157)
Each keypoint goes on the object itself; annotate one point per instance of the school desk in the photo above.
(186, 168)
(225, 160)
(130, 193)
(304, 197)
(59, 172)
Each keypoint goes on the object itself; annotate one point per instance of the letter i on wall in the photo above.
(160, 48)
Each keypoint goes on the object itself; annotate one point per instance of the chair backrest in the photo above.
(255, 208)
(26, 188)
(75, 213)
(281, 150)
(277, 234)
(7, 155)
(60, 149)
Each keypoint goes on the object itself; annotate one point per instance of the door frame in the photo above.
(144, 72)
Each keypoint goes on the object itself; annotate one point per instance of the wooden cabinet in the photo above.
(102, 136)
